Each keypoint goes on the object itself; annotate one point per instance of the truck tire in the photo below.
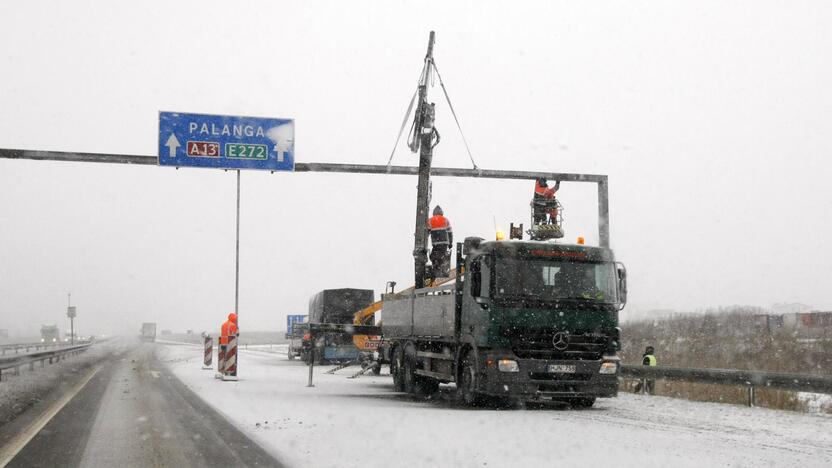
(427, 385)
(583, 402)
(377, 368)
(396, 365)
(291, 355)
(467, 384)
(409, 377)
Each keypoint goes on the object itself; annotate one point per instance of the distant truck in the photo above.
(49, 333)
(524, 320)
(297, 336)
(148, 332)
(336, 306)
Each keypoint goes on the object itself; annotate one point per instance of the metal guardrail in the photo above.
(16, 362)
(745, 378)
(17, 347)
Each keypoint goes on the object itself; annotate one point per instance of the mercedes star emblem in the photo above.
(561, 340)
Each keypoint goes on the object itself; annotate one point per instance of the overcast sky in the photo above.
(713, 121)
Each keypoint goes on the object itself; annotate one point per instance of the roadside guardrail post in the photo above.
(751, 396)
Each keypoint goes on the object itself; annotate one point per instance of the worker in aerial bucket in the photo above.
(441, 239)
(544, 202)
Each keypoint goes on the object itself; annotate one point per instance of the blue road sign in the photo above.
(226, 142)
(291, 320)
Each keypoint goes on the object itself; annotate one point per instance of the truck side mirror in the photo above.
(622, 283)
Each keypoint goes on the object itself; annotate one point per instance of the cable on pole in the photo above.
(451, 106)
(404, 124)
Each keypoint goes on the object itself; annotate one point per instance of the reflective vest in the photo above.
(440, 230)
(542, 194)
(649, 360)
(228, 328)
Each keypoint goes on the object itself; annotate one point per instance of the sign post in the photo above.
(227, 142)
(71, 313)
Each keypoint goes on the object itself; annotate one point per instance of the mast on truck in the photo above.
(423, 137)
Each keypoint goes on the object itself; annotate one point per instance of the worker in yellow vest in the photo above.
(648, 359)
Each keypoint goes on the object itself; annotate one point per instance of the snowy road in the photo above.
(132, 412)
(364, 423)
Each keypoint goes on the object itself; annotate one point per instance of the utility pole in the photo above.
(422, 140)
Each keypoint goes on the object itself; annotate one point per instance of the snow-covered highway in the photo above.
(363, 423)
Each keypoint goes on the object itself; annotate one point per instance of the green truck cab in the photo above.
(525, 320)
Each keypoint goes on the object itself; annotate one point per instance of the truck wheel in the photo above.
(291, 356)
(427, 385)
(377, 368)
(467, 384)
(583, 402)
(409, 377)
(396, 364)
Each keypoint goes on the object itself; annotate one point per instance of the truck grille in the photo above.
(588, 346)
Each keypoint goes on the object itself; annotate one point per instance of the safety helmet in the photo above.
(438, 211)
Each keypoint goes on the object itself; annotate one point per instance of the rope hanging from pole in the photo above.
(404, 124)
(451, 106)
(427, 78)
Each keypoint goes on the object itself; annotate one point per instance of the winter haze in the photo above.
(712, 120)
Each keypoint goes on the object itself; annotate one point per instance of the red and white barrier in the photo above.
(207, 359)
(220, 362)
(231, 359)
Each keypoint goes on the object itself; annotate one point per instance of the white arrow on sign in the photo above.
(172, 144)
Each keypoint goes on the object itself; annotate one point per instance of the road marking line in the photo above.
(20, 441)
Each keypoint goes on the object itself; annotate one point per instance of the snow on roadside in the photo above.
(364, 423)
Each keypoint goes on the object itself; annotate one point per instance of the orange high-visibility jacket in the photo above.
(228, 328)
(542, 192)
(440, 230)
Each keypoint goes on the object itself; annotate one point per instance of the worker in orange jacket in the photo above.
(441, 239)
(543, 201)
(228, 328)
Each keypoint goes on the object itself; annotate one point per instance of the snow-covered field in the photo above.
(363, 423)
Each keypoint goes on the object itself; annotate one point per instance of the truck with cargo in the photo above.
(295, 335)
(50, 333)
(523, 320)
(148, 332)
(335, 306)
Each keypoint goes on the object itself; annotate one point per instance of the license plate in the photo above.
(561, 368)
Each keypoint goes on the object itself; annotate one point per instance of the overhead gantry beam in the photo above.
(600, 180)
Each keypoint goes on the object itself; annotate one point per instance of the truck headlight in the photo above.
(608, 367)
(508, 365)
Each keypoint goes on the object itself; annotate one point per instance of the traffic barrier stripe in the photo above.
(209, 353)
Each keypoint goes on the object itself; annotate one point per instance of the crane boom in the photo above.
(422, 140)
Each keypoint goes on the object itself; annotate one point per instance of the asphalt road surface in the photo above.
(133, 412)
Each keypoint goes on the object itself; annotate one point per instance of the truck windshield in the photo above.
(552, 280)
